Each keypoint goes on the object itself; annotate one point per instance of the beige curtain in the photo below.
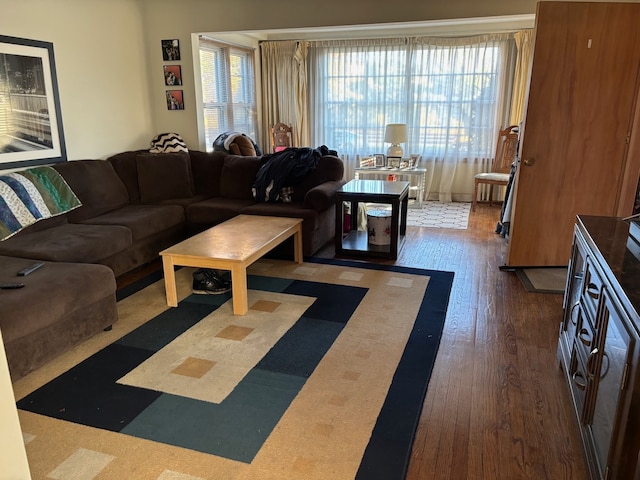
(284, 89)
(524, 44)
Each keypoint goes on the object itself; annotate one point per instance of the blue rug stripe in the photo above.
(242, 422)
(88, 393)
(389, 450)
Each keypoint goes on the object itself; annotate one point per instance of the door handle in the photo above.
(529, 162)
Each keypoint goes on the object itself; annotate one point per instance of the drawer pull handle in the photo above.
(592, 355)
(593, 291)
(577, 380)
(573, 319)
(585, 337)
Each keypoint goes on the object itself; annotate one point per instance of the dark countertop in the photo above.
(608, 237)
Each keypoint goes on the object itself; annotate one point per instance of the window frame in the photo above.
(228, 107)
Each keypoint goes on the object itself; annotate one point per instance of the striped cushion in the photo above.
(168, 143)
(31, 195)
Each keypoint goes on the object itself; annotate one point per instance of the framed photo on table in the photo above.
(379, 159)
(393, 162)
(30, 116)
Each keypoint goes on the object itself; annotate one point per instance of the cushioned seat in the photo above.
(64, 303)
(143, 220)
(70, 243)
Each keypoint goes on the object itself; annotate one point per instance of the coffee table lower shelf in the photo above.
(357, 243)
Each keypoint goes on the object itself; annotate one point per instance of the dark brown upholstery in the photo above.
(133, 206)
(163, 176)
(60, 305)
(96, 184)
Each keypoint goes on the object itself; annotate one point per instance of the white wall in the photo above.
(101, 69)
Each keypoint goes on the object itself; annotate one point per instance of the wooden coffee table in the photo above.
(232, 245)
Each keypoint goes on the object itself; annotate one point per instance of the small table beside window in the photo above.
(419, 173)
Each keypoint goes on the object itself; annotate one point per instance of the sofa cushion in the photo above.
(125, 166)
(238, 175)
(70, 243)
(96, 184)
(162, 176)
(143, 220)
(215, 210)
(207, 168)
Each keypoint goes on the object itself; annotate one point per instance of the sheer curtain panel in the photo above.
(451, 92)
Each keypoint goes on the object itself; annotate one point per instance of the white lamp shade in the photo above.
(395, 133)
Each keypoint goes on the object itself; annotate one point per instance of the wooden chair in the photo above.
(506, 151)
(281, 137)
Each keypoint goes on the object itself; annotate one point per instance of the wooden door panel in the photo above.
(580, 104)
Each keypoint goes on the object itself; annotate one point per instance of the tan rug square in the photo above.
(235, 332)
(265, 306)
(194, 367)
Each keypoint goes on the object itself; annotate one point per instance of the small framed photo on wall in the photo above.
(170, 50)
(172, 75)
(174, 100)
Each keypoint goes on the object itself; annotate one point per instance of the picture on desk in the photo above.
(393, 162)
(414, 160)
(379, 159)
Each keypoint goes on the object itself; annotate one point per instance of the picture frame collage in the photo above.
(172, 74)
(380, 160)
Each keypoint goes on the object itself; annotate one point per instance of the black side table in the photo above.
(371, 191)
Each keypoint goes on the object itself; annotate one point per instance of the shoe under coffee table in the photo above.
(232, 245)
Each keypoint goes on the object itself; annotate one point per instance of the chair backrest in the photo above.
(281, 137)
(506, 149)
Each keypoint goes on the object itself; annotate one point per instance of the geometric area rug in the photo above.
(323, 378)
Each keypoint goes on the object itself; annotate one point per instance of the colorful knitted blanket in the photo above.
(31, 195)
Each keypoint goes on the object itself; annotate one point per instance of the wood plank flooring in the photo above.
(497, 406)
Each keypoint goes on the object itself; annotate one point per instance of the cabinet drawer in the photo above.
(592, 289)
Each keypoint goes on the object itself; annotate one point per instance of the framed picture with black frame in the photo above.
(170, 50)
(31, 130)
(393, 162)
(172, 75)
(175, 100)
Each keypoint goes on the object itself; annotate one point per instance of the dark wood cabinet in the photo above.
(599, 345)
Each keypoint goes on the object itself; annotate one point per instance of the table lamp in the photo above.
(395, 134)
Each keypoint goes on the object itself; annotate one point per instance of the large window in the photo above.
(448, 92)
(228, 90)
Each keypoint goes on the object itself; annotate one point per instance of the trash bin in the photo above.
(379, 227)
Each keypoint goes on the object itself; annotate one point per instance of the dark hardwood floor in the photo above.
(497, 406)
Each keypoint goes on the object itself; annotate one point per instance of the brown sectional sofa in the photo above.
(134, 204)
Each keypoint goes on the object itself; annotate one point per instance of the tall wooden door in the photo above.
(578, 122)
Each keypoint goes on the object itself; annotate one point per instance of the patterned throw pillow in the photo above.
(168, 143)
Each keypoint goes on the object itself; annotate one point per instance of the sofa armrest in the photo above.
(322, 196)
